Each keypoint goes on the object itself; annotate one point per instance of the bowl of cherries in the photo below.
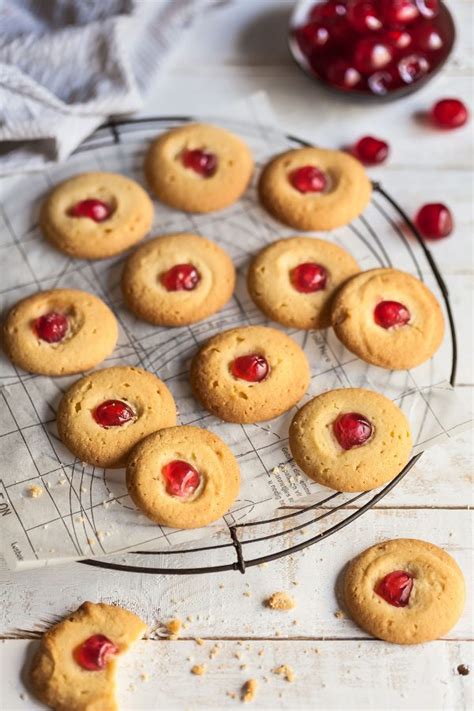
(371, 49)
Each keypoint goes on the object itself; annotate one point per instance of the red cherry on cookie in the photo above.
(252, 368)
(309, 277)
(201, 162)
(449, 113)
(352, 430)
(434, 220)
(94, 653)
(51, 327)
(93, 209)
(308, 179)
(181, 277)
(395, 588)
(181, 478)
(371, 150)
(390, 314)
(113, 413)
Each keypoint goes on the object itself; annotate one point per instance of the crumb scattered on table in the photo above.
(339, 614)
(199, 641)
(174, 628)
(249, 690)
(280, 601)
(35, 491)
(198, 669)
(285, 671)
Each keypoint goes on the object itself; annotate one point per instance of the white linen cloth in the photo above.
(67, 65)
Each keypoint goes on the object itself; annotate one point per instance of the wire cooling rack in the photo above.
(120, 146)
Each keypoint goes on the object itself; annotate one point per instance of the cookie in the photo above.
(404, 591)
(74, 668)
(183, 477)
(177, 280)
(103, 416)
(293, 280)
(198, 168)
(59, 332)
(96, 215)
(350, 439)
(249, 374)
(388, 318)
(314, 188)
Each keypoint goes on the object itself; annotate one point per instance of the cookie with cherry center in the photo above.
(249, 374)
(59, 332)
(388, 318)
(350, 439)
(74, 668)
(103, 415)
(404, 591)
(96, 215)
(314, 188)
(293, 280)
(183, 477)
(177, 280)
(198, 168)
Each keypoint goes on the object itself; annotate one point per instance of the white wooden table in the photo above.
(233, 51)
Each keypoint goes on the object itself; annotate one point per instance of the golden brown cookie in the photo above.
(103, 416)
(388, 318)
(249, 374)
(177, 279)
(350, 439)
(405, 591)
(198, 168)
(314, 188)
(293, 280)
(96, 215)
(75, 666)
(183, 477)
(59, 332)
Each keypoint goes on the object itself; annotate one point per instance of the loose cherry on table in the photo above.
(395, 588)
(96, 210)
(370, 150)
(181, 277)
(308, 179)
(182, 479)
(253, 368)
(449, 113)
(51, 327)
(113, 413)
(391, 314)
(95, 652)
(352, 429)
(309, 277)
(434, 220)
(202, 162)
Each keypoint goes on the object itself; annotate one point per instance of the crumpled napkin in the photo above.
(67, 65)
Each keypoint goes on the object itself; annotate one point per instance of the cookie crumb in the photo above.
(35, 491)
(339, 614)
(249, 690)
(286, 672)
(247, 593)
(280, 601)
(214, 651)
(198, 669)
(243, 666)
(174, 628)
(144, 676)
(199, 641)
(463, 670)
(231, 694)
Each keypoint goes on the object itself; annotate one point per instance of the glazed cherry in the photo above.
(253, 368)
(182, 479)
(391, 314)
(412, 67)
(352, 430)
(93, 209)
(428, 8)
(428, 38)
(312, 36)
(113, 413)
(308, 179)
(363, 15)
(399, 12)
(371, 54)
(434, 220)
(94, 653)
(181, 277)
(51, 327)
(371, 150)
(399, 39)
(309, 277)
(395, 588)
(331, 10)
(380, 83)
(201, 162)
(449, 113)
(342, 73)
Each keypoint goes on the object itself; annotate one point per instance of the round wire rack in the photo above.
(294, 528)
